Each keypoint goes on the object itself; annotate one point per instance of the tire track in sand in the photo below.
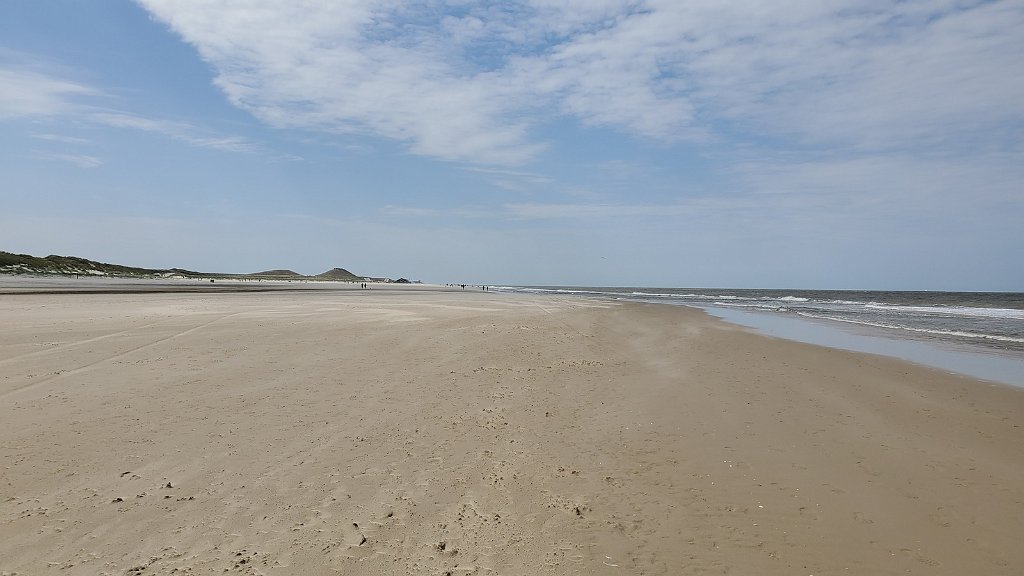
(117, 356)
(64, 347)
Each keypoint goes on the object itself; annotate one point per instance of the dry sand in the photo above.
(432, 432)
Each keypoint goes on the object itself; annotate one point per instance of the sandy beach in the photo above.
(431, 431)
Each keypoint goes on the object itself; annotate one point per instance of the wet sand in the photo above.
(432, 432)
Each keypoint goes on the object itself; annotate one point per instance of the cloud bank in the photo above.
(472, 81)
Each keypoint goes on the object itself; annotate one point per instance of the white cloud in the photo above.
(512, 180)
(223, 143)
(944, 195)
(863, 74)
(319, 66)
(409, 212)
(587, 211)
(466, 81)
(581, 211)
(25, 93)
(182, 131)
(419, 213)
(80, 160)
(863, 198)
(60, 138)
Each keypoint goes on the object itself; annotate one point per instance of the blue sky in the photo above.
(795, 143)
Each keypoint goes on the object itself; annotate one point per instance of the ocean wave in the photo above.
(787, 302)
(654, 294)
(964, 311)
(560, 291)
(932, 331)
(703, 297)
(766, 307)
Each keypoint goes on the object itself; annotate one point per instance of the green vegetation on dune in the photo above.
(26, 264)
(73, 266)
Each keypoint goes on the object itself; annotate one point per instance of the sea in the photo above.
(980, 334)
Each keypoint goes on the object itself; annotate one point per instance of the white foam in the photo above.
(967, 311)
(766, 306)
(955, 333)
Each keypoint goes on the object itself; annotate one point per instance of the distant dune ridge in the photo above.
(340, 274)
(278, 273)
(11, 263)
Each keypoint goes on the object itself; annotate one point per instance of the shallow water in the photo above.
(979, 334)
(1005, 367)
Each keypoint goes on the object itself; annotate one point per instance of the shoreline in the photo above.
(418, 432)
(977, 319)
(973, 357)
(974, 361)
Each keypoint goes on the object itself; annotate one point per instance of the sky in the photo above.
(850, 144)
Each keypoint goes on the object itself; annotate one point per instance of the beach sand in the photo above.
(448, 432)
